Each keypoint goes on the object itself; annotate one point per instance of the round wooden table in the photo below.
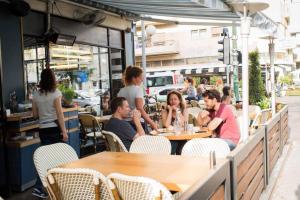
(203, 133)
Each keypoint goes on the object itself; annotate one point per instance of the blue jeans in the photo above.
(231, 144)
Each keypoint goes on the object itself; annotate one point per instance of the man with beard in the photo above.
(219, 118)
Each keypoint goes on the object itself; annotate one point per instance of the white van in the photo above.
(158, 80)
(296, 77)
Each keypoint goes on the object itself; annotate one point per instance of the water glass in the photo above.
(190, 128)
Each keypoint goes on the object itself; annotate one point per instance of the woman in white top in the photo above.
(133, 92)
(175, 102)
(46, 106)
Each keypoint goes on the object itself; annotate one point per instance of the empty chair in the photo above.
(202, 147)
(50, 156)
(151, 145)
(139, 188)
(266, 114)
(194, 111)
(73, 184)
(113, 142)
(192, 119)
(194, 103)
(90, 129)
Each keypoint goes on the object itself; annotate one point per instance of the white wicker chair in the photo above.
(139, 188)
(202, 147)
(151, 145)
(73, 184)
(50, 156)
(194, 111)
(113, 142)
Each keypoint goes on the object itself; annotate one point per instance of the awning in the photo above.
(204, 68)
(172, 8)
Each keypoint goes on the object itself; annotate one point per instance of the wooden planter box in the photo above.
(248, 169)
(284, 133)
(273, 142)
(215, 187)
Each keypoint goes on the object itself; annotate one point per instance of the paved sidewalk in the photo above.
(287, 186)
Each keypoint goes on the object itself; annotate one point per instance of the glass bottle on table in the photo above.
(176, 123)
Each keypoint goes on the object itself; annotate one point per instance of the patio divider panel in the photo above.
(215, 187)
(284, 129)
(273, 141)
(248, 167)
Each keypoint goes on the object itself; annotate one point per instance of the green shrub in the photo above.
(213, 80)
(67, 93)
(256, 85)
(264, 103)
(287, 79)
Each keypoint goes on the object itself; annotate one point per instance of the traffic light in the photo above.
(225, 51)
(239, 58)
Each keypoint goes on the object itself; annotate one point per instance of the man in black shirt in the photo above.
(118, 125)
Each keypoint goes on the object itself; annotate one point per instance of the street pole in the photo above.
(246, 8)
(245, 31)
(271, 51)
(144, 53)
(235, 64)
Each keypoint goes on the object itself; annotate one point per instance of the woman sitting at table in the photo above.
(174, 102)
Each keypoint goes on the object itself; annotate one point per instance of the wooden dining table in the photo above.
(177, 173)
(183, 135)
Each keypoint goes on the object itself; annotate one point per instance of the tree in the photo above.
(256, 85)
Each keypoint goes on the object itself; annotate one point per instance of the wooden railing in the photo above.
(248, 175)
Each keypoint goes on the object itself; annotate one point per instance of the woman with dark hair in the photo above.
(190, 89)
(133, 92)
(226, 98)
(46, 106)
(175, 102)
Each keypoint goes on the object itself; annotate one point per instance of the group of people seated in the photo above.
(129, 120)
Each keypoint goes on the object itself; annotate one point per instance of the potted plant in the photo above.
(67, 95)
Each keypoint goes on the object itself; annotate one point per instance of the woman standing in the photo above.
(46, 106)
(133, 92)
(175, 102)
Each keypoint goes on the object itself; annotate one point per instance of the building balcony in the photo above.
(158, 48)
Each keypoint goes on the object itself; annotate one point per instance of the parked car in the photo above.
(158, 80)
(162, 92)
(85, 99)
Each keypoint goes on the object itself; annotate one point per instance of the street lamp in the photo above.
(146, 33)
(271, 39)
(246, 9)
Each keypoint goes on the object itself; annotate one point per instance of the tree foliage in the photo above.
(286, 79)
(256, 85)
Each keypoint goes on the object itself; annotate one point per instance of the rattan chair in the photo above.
(192, 119)
(90, 129)
(139, 188)
(194, 111)
(202, 147)
(50, 156)
(73, 184)
(113, 142)
(151, 145)
(194, 103)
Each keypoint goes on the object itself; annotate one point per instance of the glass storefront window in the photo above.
(34, 63)
(91, 70)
